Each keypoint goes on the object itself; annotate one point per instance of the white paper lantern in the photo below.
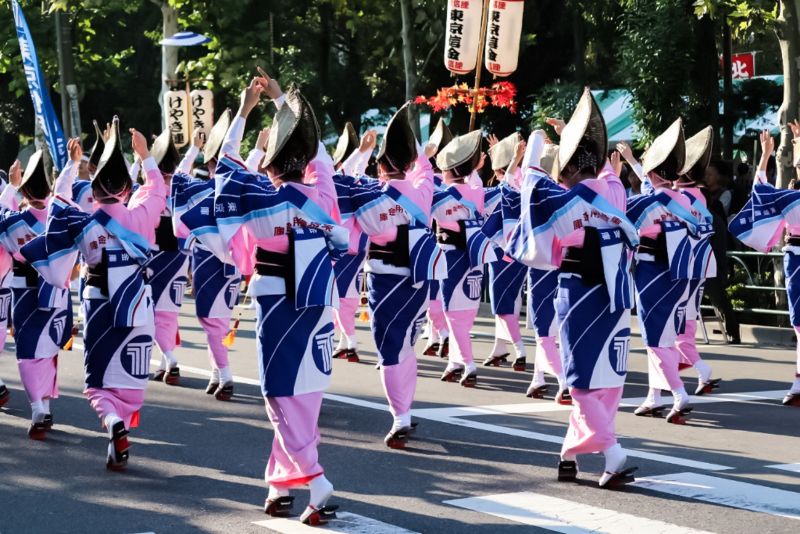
(202, 102)
(176, 115)
(463, 28)
(503, 32)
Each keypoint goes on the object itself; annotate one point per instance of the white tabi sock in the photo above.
(444, 334)
(352, 342)
(562, 382)
(538, 379)
(171, 360)
(109, 421)
(320, 490)
(568, 457)
(433, 335)
(2, 383)
(681, 398)
(653, 398)
(274, 493)
(46, 404)
(703, 371)
(37, 411)
(795, 386)
(470, 368)
(214, 375)
(401, 421)
(499, 347)
(615, 458)
(225, 375)
(342, 344)
(519, 348)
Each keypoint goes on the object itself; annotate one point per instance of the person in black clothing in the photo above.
(715, 287)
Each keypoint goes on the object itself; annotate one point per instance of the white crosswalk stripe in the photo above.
(345, 522)
(727, 492)
(561, 515)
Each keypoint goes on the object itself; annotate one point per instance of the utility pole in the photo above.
(727, 90)
(70, 111)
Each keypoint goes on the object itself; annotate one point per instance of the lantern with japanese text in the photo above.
(176, 111)
(503, 33)
(463, 35)
(202, 106)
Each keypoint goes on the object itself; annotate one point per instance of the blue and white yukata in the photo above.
(594, 292)
(402, 259)
(294, 240)
(41, 314)
(769, 213)
(664, 223)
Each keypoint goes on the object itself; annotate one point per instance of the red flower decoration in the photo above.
(500, 94)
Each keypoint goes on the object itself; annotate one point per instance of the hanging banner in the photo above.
(503, 33)
(42, 106)
(463, 35)
(176, 111)
(202, 104)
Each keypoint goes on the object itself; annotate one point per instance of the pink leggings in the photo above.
(400, 384)
(460, 322)
(344, 317)
(166, 330)
(294, 459)
(663, 368)
(436, 315)
(507, 326)
(124, 403)
(547, 358)
(687, 344)
(591, 423)
(216, 330)
(39, 377)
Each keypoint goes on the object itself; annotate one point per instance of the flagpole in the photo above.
(479, 66)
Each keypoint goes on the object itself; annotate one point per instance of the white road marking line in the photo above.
(560, 515)
(345, 522)
(723, 491)
(792, 468)
(497, 429)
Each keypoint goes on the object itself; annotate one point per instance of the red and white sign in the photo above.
(743, 65)
(503, 32)
(463, 35)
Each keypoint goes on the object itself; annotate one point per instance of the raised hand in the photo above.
(199, 139)
(250, 97)
(794, 126)
(492, 139)
(139, 143)
(263, 138)
(270, 85)
(767, 144)
(74, 149)
(557, 124)
(15, 174)
(616, 162)
(368, 141)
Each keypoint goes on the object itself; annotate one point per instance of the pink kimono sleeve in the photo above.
(151, 200)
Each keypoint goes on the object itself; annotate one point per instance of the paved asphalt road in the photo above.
(197, 464)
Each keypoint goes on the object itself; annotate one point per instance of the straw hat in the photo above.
(462, 149)
(441, 136)
(34, 181)
(549, 160)
(112, 170)
(698, 150)
(348, 142)
(99, 145)
(585, 128)
(294, 121)
(399, 145)
(216, 137)
(667, 148)
(503, 152)
(165, 152)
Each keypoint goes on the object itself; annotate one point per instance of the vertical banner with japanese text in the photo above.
(202, 106)
(177, 110)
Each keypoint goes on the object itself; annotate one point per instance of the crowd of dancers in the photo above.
(314, 234)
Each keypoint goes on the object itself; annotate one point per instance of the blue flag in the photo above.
(42, 105)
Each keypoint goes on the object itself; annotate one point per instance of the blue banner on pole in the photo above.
(42, 105)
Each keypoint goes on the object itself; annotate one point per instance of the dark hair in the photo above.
(293, 158)
(742, 168)
(36, 189)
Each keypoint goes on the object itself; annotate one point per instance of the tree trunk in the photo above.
(169, 54)
(727, 90)
(789, 40)
(578, 44)
(407, 34)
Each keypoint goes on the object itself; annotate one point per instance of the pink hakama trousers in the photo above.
(166, 330)
(344, 317)
(687, 344)
(293, 460)
(39, 378)
(663, 368)
(797, 369)
(547, 358)
(460, 322)
(124, 403)
(216, 330)
(400, 384)
(591, 423)
(507, 328)
(436, 315)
